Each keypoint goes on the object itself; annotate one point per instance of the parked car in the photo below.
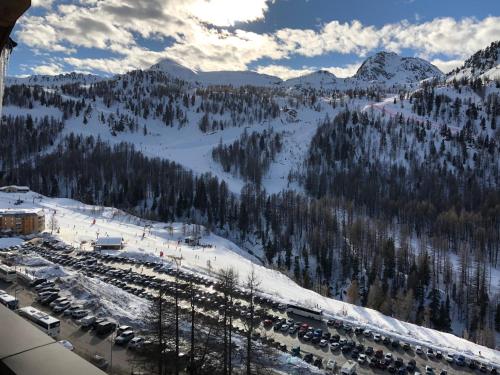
(61, 307)
(68, 345)
(105, 327)
(122, 329)
(88, 321)
(99, 361)
(78, 314)
(57, 301)
(136, 343)
(124, 337)
(331, 365)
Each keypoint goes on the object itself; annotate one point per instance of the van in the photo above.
(105, 327)
(88, 321)
(349, 368)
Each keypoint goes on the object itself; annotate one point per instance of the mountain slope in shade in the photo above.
(391, 69)
(483, 64)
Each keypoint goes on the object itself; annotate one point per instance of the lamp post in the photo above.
(113, 337)
(15, 293)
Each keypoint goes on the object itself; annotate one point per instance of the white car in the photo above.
(388, 357)
(362, 359)
(430, 353)
(367, 333)
(331, 365)
(66, 344)
(377, 337)
(323, 343)
(419, 350)
(429, 370)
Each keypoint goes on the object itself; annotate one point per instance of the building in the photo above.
(192, 240)
(108, 243)
(14, 189)
(22, 221)
(26, 350)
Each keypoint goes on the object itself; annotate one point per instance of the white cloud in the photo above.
(344, 71)
(447, 66)
(227, 12)
(285, 72)
(49, 69)
(114, 26)
(42, 3)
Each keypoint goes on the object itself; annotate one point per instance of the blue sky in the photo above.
(281, 37)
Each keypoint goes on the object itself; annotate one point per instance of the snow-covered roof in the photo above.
(15, 187)
(109, 241)
(20, 211)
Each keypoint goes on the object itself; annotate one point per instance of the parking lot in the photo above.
(341, 342)
(85, 342)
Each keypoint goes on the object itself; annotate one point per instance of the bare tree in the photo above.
(251, 285)
(53, 223)
(228, 279)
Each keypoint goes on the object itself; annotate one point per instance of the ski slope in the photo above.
(79, 224)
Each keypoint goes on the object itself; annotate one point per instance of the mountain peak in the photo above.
(390, 68)
(484, 63)
(174, 69)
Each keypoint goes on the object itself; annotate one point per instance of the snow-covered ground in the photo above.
(76, 222)
(192, 148)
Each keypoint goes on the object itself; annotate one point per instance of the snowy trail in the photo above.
(75, 220)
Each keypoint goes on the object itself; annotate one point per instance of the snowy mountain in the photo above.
(391, 69)
(484, 64)
(214, 78)
(321, 79)
(57, 80)
(384, 69)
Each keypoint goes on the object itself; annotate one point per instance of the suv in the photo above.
(105, 328)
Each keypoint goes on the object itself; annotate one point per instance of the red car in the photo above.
(268, 323)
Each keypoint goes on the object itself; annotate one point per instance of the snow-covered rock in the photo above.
(483, 64)
(391, 69)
